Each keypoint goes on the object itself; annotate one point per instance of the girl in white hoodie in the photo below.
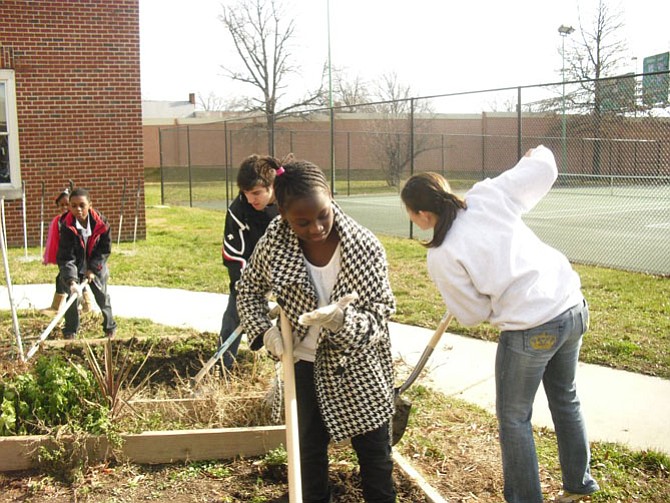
(489, 266)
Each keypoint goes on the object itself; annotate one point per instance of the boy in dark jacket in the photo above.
(85, 244)
(247, 218)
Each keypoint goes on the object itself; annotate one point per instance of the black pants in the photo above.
(372, 448)
(99, 290)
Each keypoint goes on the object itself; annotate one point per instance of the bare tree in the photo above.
(399, 137)
(262, 36)
(597, 52)
(353, 94)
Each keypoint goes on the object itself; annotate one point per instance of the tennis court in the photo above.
(625, 228)
(619, 222)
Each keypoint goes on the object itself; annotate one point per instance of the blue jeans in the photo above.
(229, 323)
(547, 353)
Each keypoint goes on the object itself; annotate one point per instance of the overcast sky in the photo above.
(434, 46)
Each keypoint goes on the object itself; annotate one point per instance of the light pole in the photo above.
(332, 111)
(564, 31)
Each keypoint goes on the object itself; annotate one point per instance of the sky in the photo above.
(433, 46)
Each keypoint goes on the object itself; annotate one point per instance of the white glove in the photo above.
(76, 289)
(273, 341)
(330, 316)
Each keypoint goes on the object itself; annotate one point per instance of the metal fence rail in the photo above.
(612, 146)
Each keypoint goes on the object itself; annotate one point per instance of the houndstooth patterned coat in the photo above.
(353, 370)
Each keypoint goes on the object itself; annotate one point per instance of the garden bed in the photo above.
(168, 399)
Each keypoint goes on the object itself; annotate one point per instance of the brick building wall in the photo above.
(77, 75)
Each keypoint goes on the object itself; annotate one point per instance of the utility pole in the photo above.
(564, 31)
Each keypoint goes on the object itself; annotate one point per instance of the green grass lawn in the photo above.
(630, 312)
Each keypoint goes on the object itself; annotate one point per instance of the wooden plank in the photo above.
(153, 447)
(20, 453)
(198, 445)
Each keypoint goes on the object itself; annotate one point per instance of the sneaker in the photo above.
(68, 336)
(568, 497)
(110, 334)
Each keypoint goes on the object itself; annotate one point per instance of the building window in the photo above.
(10, 173)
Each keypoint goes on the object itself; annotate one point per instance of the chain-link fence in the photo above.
(610, 205)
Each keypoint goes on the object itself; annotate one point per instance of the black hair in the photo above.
(81, 192)
(431, 192)
(299, 179)
(257, 170)
(64, 193)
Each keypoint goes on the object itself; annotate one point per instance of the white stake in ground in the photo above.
(3, 244)
(291, 412)
(123, 203)
(42, 223)
(26, 258)
(25, 228)
(137, 210)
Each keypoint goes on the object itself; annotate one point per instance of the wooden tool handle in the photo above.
(291, 412)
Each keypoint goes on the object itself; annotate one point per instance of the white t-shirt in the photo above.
(491, 266)
(85, 232)
(323, 279)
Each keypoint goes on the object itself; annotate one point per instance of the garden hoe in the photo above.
(59, 315)
(215, 357)
(195, 382)
(402, 405)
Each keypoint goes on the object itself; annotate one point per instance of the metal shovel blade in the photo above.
(402, 405)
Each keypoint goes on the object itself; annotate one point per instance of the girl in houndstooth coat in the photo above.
(329, 274)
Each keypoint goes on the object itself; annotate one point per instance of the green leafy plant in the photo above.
(274, 464)
(53, 393)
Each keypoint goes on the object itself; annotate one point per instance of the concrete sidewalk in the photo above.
(618, 406)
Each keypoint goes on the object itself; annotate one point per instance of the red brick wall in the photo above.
(77, 71)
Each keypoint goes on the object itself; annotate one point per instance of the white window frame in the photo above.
(13, 189)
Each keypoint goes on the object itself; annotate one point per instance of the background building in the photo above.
(70, 108)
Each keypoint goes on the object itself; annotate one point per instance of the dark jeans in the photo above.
(99, 290)
(372, 448)
(60, 286)
(229, 323)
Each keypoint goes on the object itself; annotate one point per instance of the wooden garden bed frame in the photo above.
(173, 446)
(157, 447)
(152, 447)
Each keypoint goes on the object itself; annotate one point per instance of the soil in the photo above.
(246, 482)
